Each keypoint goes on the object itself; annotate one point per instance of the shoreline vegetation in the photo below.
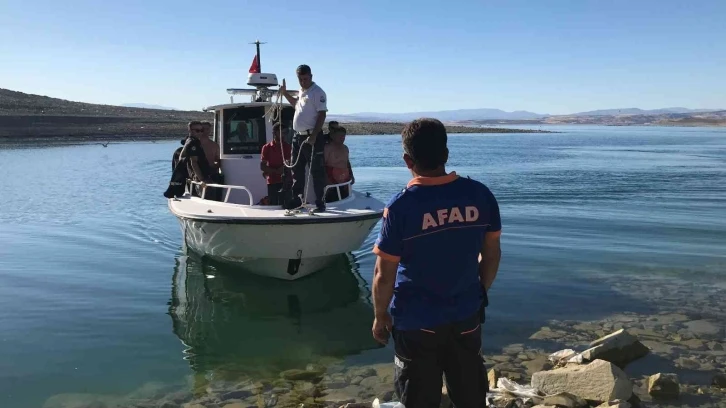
(34, 118)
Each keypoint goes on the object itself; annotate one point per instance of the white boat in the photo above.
(263, 239)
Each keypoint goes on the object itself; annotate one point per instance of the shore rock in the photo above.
(598, 381)
(663, 386)
(541, 363)
(619, 348)
(565, 399)
(615, 404)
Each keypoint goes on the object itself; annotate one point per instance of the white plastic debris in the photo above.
(524, 391)
(565, 356)
(378, 404)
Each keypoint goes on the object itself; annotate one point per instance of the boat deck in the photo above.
(356, 207)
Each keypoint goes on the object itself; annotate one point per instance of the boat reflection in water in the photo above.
(243, 326)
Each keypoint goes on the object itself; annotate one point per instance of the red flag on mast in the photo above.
(255, 67)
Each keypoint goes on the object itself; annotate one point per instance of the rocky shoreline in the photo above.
(673, 357)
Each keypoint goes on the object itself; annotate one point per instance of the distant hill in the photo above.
(636, 111)
(28, 116)
(146, 106)
(444, 116)
(20, 103)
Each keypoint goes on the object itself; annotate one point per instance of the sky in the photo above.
(553, 57)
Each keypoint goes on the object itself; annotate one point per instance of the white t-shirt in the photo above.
(310, 102)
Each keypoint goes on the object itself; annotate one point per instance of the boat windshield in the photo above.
(244, 130)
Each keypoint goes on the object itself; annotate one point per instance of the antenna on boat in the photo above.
(259, 80)
(259, 61)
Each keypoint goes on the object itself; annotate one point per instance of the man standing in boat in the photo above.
(438, 254)
(310, 111)
(197, 165)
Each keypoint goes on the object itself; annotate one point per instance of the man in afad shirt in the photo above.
(272, 165)
(438, 254)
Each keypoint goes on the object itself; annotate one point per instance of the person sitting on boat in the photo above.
(193, 152)
(211, 149)
(272, 166)
(337, 164)
(332, 125)
(310, 110)
(211, 152)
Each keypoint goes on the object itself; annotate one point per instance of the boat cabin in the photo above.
(241, 129)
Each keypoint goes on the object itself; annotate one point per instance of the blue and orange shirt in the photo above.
(435, 230)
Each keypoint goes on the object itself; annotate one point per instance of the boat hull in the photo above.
(283, 251)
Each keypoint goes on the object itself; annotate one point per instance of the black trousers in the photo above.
(274, 194)
(454, 350)
(317, 166)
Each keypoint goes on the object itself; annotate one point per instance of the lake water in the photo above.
(97, 296)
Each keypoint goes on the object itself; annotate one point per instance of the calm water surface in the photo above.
(97, 296)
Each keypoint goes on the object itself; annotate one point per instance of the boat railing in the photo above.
(337, 189)
(229, 189)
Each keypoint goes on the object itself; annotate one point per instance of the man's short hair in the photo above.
(424, 140)
(193, 123)
(303, 69)
(277, 126)
(338, 129)
(333, 123)
(206, 123)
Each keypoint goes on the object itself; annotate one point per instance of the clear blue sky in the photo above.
(383, 56)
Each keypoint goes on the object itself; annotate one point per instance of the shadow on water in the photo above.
(237, 326)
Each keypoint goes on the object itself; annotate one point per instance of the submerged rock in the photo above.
(619, 348)
(598, 381)
(663, 386)
(302, 375)
(704, 329)
(719, 380)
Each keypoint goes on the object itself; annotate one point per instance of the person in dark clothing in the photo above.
(179, 174)
(437, 256)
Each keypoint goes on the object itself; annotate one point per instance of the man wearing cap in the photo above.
(310, 110)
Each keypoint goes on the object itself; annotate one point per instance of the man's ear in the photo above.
(446, 155)
(408, 160)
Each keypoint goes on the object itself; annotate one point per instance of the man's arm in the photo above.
(350, 170)
(489, 258)
(318, 127)
(292, 100)
(267, 169)
(195, 168)
(384, 279)
(264, 162)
